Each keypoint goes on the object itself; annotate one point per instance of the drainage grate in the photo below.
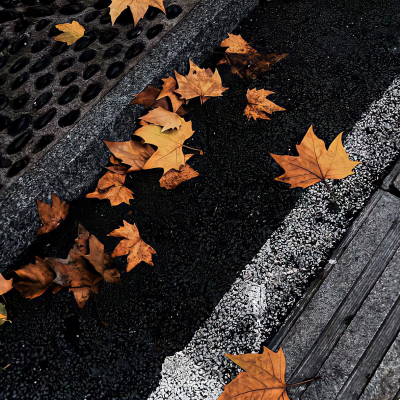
(46, 86)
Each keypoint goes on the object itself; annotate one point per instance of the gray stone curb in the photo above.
(73, 164)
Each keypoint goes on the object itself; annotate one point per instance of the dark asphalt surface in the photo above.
(342, 56)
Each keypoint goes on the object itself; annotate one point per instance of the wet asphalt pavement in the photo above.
(342, 56)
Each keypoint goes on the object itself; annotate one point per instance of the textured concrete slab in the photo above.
(344, 274)
(358, 336)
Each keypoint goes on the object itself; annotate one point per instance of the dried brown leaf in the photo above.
(34, 278)
(133, 245)
(258, 105)
(51, 215)
(138, 8)
(111, 187)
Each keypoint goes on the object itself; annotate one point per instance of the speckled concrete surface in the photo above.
(195, 36)
(250, 310)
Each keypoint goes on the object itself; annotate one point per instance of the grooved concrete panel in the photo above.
(313, 320)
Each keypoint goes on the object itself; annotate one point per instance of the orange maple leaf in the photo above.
(133, 245)
(264, 377)
(315, 163)
(71, 32)
(138, 8)
(34, 279)
(199, 83)
(5, 284)
(111, 187)
(236, 44)
(51, 216)
(169, 154)
(258, 105)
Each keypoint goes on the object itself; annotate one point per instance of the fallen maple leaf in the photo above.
(264, 377)
(199, 83)
(149, 99)
(259, 106)
(34, 278)
(71, 32)
(101, 260)
(133, 245)
(138, 8)
(315, 163)
(111, 187)
(168, 89)
(131, 152)
(246, 61)
(51, 215)
(169, 153)
(236, 44)
(163, 118)
(5, 284)
(75, 272)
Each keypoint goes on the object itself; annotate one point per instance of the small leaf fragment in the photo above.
(71, 32)
(236, 44)
(51, 215)
(111, 187)
(173, 178)
(5, 284)
(3, 318)
(258, 105)
(133, 245)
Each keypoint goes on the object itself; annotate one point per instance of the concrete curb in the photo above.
(72, 165)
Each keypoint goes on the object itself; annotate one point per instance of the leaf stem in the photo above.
(191, 148)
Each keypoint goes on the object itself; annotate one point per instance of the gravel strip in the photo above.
(251, 310)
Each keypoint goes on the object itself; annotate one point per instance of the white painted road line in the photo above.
(268, 286)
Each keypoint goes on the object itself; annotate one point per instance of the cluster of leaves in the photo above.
(163, 134)
(85, 266)
(159, 143)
